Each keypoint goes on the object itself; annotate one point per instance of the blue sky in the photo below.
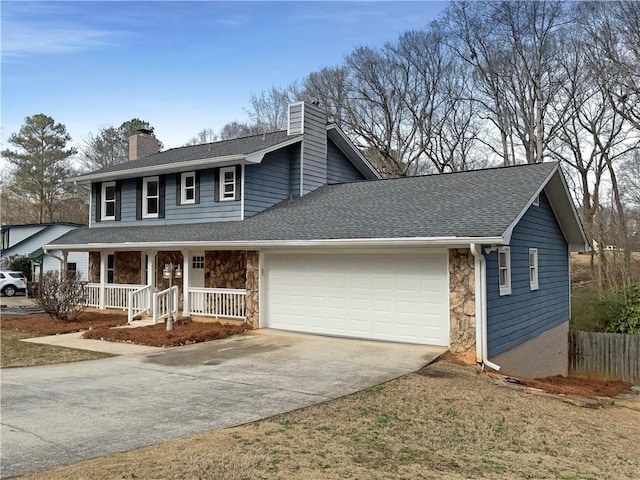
(182, 66)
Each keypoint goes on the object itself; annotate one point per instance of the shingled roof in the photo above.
(479, 204)
(173, 156)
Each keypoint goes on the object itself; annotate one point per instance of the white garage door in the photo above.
(394, 297)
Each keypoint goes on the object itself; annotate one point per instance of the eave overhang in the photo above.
(557, 191)
(282, 244)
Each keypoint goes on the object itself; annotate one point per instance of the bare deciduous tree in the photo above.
(206, 135)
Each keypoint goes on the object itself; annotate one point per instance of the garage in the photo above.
(381, 296)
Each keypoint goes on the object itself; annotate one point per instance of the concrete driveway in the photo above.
(52, 415)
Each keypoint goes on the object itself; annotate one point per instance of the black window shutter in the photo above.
(197, 183)
(139, 199)
(216, 185)
(238, 181)
(97, 194)
(118, 199)
(161, 182)
(178, 188)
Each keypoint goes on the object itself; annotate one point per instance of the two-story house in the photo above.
(295, 230)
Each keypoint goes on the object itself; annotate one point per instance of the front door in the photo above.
(196, 272)
(196, 280)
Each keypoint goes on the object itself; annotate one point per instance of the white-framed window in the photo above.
(536, 201)
(72, 267)
(197, 261)
(150, 197)
(228, 183)
(504, 270)
(533, 268)
(108, 201)
(111, 260)
(188, 188)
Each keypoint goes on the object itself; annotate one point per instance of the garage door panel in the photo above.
(387, 296)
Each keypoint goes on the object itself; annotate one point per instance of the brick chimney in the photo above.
(142, 144)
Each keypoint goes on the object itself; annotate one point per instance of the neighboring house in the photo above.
(299, 226)
(29, 240)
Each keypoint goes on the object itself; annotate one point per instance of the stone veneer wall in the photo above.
(94, 267)
(253, 289)
(163, 259)
(462, 304)
(127, 267)
(225, 269)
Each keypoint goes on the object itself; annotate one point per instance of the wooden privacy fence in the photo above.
(614, 356)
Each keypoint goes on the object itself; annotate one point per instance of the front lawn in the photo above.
(14, 353)
(445, 421)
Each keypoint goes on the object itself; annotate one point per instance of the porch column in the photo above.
(185, 282)
(151, 267)
(65, 256)
(103, 278)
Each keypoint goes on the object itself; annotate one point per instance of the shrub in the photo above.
(626, 316)
(63, 297)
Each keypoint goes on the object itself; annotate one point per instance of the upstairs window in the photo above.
(109, 201)
(228, 183)
(533, 268)
(150, 197)
(504, 270)
(5, 239)
(188, 188)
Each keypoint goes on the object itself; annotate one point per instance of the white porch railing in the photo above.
(218, 302)
(93, 295)
(115, 295)
(165, 303)
(139, 301)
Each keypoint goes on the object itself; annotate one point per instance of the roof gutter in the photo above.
(481, 306)
(158, 169)
(279, 244)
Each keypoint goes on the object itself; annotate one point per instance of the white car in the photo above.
(12, 282)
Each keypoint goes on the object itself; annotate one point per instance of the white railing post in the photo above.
(176, 298)
(155, 308)
(130, 307)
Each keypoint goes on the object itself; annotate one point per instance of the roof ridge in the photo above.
(217, 142)
(457, 172)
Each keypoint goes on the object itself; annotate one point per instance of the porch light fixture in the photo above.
(169, 272)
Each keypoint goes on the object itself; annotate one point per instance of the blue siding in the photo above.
(268, 183)
(339, 167)
(294, 169)
(514, 319)
(208, 210)
(314, 145)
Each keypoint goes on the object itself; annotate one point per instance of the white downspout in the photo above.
(480, 268)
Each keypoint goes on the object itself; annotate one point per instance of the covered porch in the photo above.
(190, 283)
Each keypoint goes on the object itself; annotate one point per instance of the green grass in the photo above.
(14, 353)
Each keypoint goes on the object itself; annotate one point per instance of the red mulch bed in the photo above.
(583, 387)
(185, 332)
(43, 324)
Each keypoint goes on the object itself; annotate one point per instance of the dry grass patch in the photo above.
(14, 353)
(185, 332)
(443, 422)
